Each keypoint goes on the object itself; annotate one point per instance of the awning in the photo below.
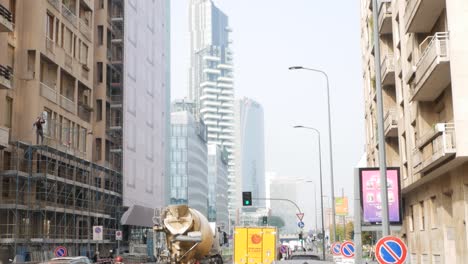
(138, 215)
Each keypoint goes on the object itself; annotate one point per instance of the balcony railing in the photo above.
(435, 147)
(48, 92)
(421, 15)
(6, 77)
(432, 74)
(50, 46)
(391, 123)
(67, 104)
(385, 18)
(388, 70)
(84, 112)
(56, 4)
(85, 72)
(69, 15)
(85, 30)
(6, 20)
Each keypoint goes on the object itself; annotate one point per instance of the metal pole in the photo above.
(315, 206)
(344, 217)
(321, 187)
(380, 124)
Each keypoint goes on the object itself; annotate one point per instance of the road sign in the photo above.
(284, 249)
(300, 216)
(391, 249)
(336, 249)
(300, 224)
(97, 233)
(347, 249)
(118, 235)
(60, 251)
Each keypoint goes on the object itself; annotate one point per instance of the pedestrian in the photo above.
(39, 130)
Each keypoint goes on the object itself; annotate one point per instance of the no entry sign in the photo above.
(347, 249)
(391, 250)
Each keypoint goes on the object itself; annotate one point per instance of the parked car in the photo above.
(69, 260)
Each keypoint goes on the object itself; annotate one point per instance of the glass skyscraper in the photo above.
(189, 171)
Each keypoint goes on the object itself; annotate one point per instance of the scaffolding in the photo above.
(115, 84)
(52, 198)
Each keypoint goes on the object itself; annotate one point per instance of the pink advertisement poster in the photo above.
(371, 197)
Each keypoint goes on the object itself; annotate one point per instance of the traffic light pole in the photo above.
(279, 199)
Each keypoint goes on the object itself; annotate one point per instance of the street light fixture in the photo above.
(321, 186)
(330, 142)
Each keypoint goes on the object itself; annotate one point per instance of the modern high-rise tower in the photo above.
(250, 149)
(211, 79)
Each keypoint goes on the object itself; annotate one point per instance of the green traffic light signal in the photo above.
(247, 198)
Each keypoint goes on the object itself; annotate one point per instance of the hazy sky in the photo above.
(268, 37)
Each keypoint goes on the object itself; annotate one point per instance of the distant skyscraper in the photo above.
(250, 149)
(189, 171)
(211, 80)
(218, 185)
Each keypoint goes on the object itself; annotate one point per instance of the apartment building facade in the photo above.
(51, 192)
(211, 86)
(63, 61)
(424, 58)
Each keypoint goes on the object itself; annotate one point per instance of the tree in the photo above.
(339, 231)
(277, 221)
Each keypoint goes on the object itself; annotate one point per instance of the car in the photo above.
(69, 260)
(304, 256)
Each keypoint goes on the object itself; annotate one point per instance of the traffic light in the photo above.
(247, 198)
(264, 220)
(300, 236)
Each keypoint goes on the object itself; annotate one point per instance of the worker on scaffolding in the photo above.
(39, 129)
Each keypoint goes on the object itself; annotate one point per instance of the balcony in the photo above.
(6, 77)
(391, 123)
(47, 92)
(421, 15)
(84, 112)
(6, 20)
(435, 147)
(388, 70)
(4, 137)
(385, 18)
(432, 72)
(69, 15)
(67, 104)
(69, 61)
(85, 30)
(56, 4)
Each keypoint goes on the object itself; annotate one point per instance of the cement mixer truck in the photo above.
(189, 238)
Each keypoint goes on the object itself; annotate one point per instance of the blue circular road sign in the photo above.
(391, 250)
(336, 249)
(60, 252)
(300, 224)
(347, 249)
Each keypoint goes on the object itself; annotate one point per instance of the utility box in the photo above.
(255, 245)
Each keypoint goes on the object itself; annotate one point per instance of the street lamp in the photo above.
(321, 184)
(330, 142)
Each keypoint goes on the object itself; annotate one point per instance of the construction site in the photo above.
(52, 198)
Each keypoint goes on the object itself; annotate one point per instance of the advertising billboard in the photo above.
(371, 201)
(341, 206)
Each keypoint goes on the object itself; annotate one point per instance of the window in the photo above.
(101, 4)
(98, 148)
(49, 26)
(98, 110)
(422, 213)
(84, 53)
(99, 72)
(9, 112)
(5, 187)
(411, 219)
(57, 27)
(100, 34)
(433, 212)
